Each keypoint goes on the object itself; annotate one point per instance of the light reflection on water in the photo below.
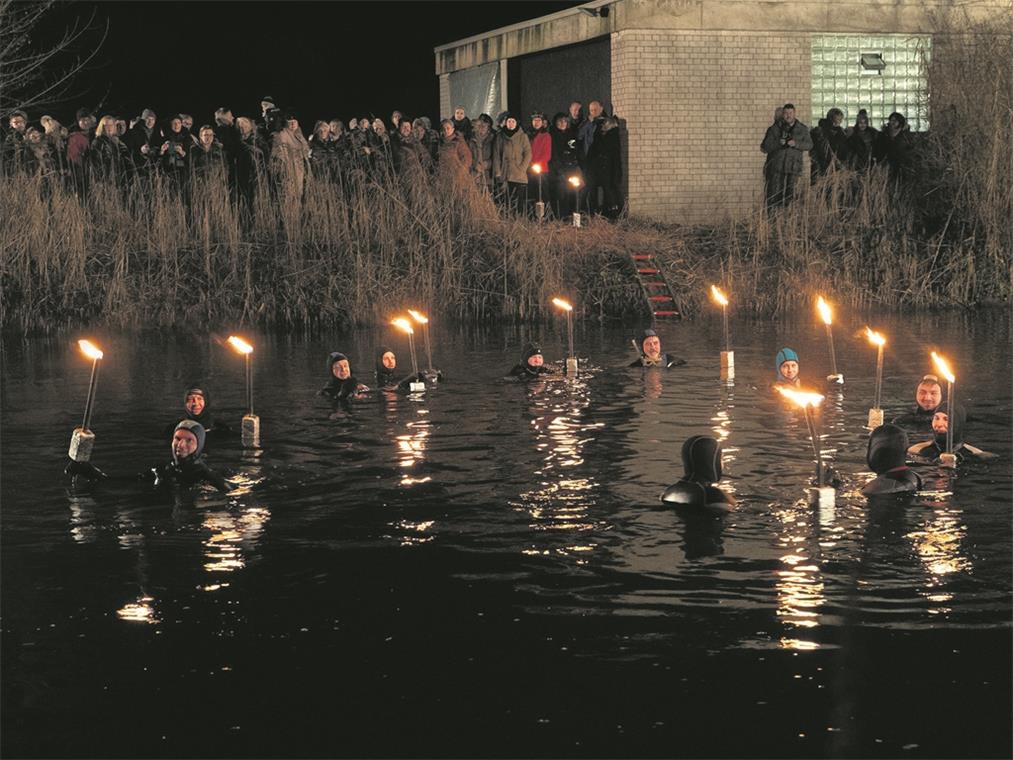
(541, 499)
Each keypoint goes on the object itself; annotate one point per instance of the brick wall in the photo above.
(696, 106)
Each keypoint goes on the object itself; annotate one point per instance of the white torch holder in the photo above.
(727, 365)
(540, 210)
(824, 497)
(949, 461)
(571, 366)
(576, 219)
(416, 386)
(837, 379)
(81, 443)
(875, 418)
(251, 431)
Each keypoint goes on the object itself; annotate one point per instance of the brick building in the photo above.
(695, 83)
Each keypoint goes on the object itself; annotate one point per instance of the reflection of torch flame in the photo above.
(824, 309)
(808, 401)
(90, 350)
(240, 345)
(424, 321)
(405, 325)
(944, 368)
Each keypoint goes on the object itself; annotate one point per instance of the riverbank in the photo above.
(355, 252)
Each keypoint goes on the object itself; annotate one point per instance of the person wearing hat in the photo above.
(928, 452)
(701, 461)
(886, 456)
(532, 364)
(341, 383)
(271, 118)
(649, 347)
(197, 407)
(78, 142)
(511, 159)
(786, 366)
(541, 155)
(187, 467)
(144, 140)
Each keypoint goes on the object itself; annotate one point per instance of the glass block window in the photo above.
(881, 73)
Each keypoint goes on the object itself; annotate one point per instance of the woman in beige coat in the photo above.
(290, 153)
(510, 161)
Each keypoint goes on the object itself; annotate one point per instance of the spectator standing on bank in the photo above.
(860, 141)
(290, 153)
(511, 159)
(462, 124)
(541, 154)
(893, 146)
(563, 165)
(829, 145)
(786, 140)
(481, 145)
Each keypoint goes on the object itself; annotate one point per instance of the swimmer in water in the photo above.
(927, 452)
(386, 365)
(786, 364)
(532, 364)
(888, 445)
(928, 399)
(701, 459)
(651, 355)
(197, 407)
(187, 467)
(341, 383)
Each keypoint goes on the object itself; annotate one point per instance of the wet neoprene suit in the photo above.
(886, 457)
(701, 459)
(525, 371)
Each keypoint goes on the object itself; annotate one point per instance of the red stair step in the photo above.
(659, 298)
(642, 257)
(647, 271)
(666, 313)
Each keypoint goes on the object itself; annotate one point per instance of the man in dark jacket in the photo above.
(462, 124)
(481, 145)
(563, 165)
(16, 154)
(893, 146)
(587, 133)
(605, 162)
(861, 139)
(829, 145)
(144, 141)
(227, 134)
(785, 141)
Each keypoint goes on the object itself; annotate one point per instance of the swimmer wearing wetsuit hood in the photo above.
(341, 383)
(187, 467)
(650, 353)
(886, 456)
(928, 399)
(786, 364)
(197, 407)
(386, 365)
(927, 452)
(532, 364)
(701, 459)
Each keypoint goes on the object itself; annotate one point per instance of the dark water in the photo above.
(487, 570)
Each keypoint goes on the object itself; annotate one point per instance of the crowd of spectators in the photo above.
(539, 167)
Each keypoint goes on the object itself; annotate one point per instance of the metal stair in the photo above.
(658, 292)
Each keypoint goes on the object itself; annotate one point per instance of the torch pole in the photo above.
(949, 417)
(569, 330)
(249, 386)
(411, 349)
(429, 349)
(89, 403)
(833, 356)
(816, 444)
(879, 378)
(724, 315)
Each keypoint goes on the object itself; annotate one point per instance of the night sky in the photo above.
(321, 59)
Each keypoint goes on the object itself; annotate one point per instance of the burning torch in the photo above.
(947, 458)
(414, 386)
(540, 206)
(83, 439)
(727, 356)
(828, 318)
(876, 413)
(251, 422)
(823, 494)
(571, 359)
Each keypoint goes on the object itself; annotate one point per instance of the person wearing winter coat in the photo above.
(481, 146)
(893, 146)
(17, 156)
(454, 158)
(541, 154)
(144, 140)
(174, 150)
(290, 153)
(829, 145)
(322, 150)
(860, 140)
(563, 165)
(108, 157)
(462, 124)
(78, 144)
(511, 159)
(784, 143)
(604, 160)
(207, 158)
(250, 161)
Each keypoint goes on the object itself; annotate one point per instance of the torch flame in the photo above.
(574, 181)
(943, 367)
(802, 398)
(418, 316)
(562, 304)
(240, 345)
(824, 309)
(718, 296)
(536, 168)
(404, 324)
(874, 337)
(90, 349)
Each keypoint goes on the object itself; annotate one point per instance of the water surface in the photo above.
(486, 570)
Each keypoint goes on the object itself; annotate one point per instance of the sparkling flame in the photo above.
(90, 349)
(802, 398)
(240, 345)
(718, 296)
(874, 337)
(404, 324)
(562, 304)
(943, 367)
(574, 181)
(536, 168)
(418, 316)
(824, 309)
